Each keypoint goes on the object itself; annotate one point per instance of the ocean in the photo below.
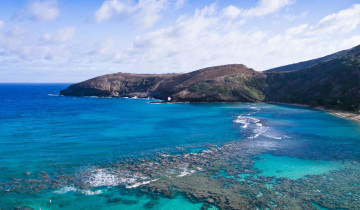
(62, 152)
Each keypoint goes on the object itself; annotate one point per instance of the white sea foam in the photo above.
(260, 130)
(186, 172)
(89, 192)
(266, 132)
(137, 184)
(246, 121)
(102, 177)
(256, 128)
(255, 108)
(109, 178)
(67, 189)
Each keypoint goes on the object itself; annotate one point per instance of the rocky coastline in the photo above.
(331, 82)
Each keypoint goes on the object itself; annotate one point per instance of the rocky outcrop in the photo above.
(332, 81)
(118, 85)
(214, 84)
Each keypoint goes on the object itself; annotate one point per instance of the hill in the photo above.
(332, 81)
(309, 63)
(214, 84)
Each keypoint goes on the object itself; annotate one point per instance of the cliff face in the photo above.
(332, 81)
(118, 85)
(214, 84)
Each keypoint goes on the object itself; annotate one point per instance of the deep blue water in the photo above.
(41, 131)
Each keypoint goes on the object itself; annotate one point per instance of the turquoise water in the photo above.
(295, 168)
(43, 134)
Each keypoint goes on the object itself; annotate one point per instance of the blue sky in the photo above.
(70, 41)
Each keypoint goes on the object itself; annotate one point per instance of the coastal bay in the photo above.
(191, 155)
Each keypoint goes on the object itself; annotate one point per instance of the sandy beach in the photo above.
(339, 113)
(344, 114)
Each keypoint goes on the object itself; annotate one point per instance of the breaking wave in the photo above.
(67, 189)
(110, 178)
(254, 127)
(137, 184)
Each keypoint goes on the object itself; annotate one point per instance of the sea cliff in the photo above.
(331, 82)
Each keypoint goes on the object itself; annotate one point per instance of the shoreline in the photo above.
(338, 113)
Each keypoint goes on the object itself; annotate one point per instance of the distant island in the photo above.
(332, 82)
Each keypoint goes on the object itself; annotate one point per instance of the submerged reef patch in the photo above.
(224, 176)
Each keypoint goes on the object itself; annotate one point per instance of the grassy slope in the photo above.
(333, 84)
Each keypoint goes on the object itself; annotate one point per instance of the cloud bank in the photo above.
(42, 10)
(144, 13)
(162, 36)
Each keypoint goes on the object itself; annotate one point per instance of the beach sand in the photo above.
(343, 114)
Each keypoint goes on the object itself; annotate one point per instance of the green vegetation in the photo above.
(204, 88)
(331, 81)
(234, 86)
(332, 84)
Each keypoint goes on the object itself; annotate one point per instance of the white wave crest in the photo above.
(246, 121)
(255, 108)
(89, 192)
(106, 177)
(137, 184)
(102, 177)
(67, 189)
(255, 128)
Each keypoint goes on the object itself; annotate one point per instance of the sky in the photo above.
(66, 41)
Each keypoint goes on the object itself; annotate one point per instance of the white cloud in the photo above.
(350, 42)
(102, 47)
(231, 12)
(60, 36)
(304, 14)
(20, 44)
(208, 36)
(264, 7)
(147, 12)
(297, 30)
(343, 21)
(193, 42)
(144, 13)
(179, 3)
(1, 24)
(42, 10)
(109, 9)
(205, 39)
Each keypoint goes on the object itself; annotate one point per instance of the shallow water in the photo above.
(99, 153)
(295, 168)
